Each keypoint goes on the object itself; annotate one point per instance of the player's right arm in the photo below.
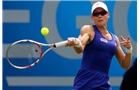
(81, 41)
(84, 38)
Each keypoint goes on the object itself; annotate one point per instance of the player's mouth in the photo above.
(100, 20)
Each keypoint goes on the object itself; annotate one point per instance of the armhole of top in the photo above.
(115, 37)
(93, 27)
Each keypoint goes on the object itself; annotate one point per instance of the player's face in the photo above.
(100, 17)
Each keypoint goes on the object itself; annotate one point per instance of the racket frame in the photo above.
(55, 45)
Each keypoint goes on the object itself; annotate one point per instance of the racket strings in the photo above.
(23, 54)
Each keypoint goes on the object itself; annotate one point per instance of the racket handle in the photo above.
(59, 44)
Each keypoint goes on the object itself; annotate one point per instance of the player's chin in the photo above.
(100, 24)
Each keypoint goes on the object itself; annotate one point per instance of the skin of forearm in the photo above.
(78, 49)
(127, 61)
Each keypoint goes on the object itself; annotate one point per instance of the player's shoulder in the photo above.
(116, 37)
(86, 28)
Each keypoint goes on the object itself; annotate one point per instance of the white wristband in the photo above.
(79, 43)
(129, 50)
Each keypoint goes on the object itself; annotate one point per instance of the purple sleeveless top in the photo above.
(97, 56)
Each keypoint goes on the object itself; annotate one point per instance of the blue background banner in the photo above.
(57, 69)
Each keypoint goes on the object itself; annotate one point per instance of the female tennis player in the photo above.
(98, 46)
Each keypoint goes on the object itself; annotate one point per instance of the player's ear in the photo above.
(108, 15)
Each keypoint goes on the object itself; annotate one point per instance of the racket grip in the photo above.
(59, 44)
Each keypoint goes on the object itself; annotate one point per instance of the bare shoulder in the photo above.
(117, 38)
(87, 29)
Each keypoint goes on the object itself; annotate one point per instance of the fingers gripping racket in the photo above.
(24, 54)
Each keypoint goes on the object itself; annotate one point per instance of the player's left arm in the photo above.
(124, 59)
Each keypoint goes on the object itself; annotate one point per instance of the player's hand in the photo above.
(126, 42)
(71, 42)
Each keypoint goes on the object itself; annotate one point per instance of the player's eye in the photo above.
(96, 14)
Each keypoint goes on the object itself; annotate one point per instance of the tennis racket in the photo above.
(24, 54)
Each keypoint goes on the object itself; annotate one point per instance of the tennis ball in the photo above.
(44, 31)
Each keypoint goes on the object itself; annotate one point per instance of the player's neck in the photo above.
(102, 29)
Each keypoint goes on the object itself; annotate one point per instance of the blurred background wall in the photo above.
(57, 69)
